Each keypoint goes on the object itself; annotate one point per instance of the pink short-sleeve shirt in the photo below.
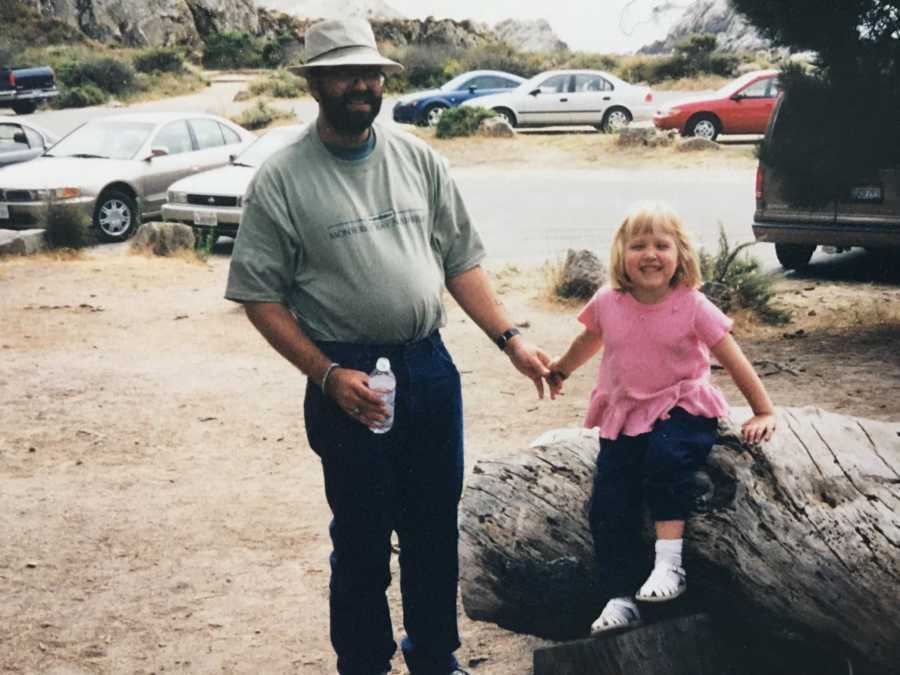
(655, 357)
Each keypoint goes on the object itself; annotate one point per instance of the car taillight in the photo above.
(760, 177)
(12, 79)
(649, 97)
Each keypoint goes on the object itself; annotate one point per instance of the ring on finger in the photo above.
(355, 411)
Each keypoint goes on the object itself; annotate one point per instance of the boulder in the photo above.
(631, 137)
(581, 276)
(494, 127)
(534, 35)
(696, 145)
(21, 242)
(163, 239)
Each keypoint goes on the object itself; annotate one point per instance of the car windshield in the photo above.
(107, 139)
(265, 146)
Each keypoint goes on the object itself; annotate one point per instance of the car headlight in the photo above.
(58, 193)
(665, 112)
(177, 197)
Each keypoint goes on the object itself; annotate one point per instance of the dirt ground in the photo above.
(161, 511)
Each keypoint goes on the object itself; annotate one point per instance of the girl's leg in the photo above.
(615, 520)
(676, 449)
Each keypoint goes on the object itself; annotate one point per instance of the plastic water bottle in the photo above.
(383, 382)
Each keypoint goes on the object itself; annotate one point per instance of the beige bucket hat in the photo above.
(343, 42)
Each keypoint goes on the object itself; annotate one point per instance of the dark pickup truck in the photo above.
(23, 89)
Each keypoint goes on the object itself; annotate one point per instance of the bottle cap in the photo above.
(383, 364)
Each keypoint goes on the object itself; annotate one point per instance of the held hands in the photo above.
(350, 389)
(530, 361)
(758, 428)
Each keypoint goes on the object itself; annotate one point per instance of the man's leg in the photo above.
(430, 467)
(361, 492)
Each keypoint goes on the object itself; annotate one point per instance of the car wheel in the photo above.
(24, 107)
(507, 115)
(704, 126)
(115, 216)
(432, 114)
(615, 119)
(794, 256)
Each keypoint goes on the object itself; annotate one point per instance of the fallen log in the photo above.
(799, 537)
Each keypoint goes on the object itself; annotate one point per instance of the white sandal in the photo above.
(666, 582)
(619, 614)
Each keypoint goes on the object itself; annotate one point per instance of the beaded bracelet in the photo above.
(328, 370)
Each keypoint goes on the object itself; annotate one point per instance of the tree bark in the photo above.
(799, 537)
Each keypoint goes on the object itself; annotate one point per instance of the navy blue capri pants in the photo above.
(655, 468)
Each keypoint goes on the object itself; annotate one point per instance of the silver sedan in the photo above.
(211, 202)
(117, 169)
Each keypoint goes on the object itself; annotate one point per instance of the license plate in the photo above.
(4, 211)
(205, 218)
(866, 193)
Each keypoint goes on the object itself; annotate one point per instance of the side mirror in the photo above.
(232, 157)
(534, 92)
(737, 97)
(472, 88)
(158, 152)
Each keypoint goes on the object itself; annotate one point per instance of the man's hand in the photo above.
(530, 361)
(350, 389)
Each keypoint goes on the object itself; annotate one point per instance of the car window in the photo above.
(174, 137)
(12, 138)
(208, 133)
(34, 138)
(490, 82)
(759, 89)
(554, 85)
(231, 136)
(584, 82)
(774, 87)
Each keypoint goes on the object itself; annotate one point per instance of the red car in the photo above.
(742, 106)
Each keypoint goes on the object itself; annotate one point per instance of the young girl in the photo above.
(654, 404)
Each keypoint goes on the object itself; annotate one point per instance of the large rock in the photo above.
(495, 127)
(163, 239)
(697, 145)
(631, 137)
(21, 242)
(581, 276)
(152, 22)
(533, 35)
(732, 31)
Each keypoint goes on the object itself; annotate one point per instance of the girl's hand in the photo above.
(758, 428)
(555, 379)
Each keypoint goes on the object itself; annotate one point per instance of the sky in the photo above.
(609, 26)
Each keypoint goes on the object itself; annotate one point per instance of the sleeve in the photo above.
(267, 251)
(454, 237)
(710, 323)
(590, 315)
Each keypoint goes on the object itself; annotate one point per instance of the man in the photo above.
(347, 239)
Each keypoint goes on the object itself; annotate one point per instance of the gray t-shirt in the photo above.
(358, 250)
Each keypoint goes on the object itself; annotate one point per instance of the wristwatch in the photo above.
(504, 338)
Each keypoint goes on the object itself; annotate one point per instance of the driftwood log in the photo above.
(798, 539)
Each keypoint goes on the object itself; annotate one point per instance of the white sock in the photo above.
(668, 551)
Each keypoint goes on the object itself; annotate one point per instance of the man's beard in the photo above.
(349, 122)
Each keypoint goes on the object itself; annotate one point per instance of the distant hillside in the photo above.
(333, 9)
(733, 33)
(529, 36)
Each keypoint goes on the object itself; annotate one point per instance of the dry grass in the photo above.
(704, 83)
(576, 149)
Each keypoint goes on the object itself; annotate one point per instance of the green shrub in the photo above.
(234, 49)
(104, 72)
(461, 121)
(67, 226)
(261, 115)
(280, 84)
(501, 56)
(80, 97)
(734, 280)
(159, 60)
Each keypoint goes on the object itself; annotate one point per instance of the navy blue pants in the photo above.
(655, 468)
(408, 480)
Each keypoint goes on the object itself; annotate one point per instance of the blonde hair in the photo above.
(647, 219)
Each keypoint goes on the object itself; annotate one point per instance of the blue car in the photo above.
(425, 107)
